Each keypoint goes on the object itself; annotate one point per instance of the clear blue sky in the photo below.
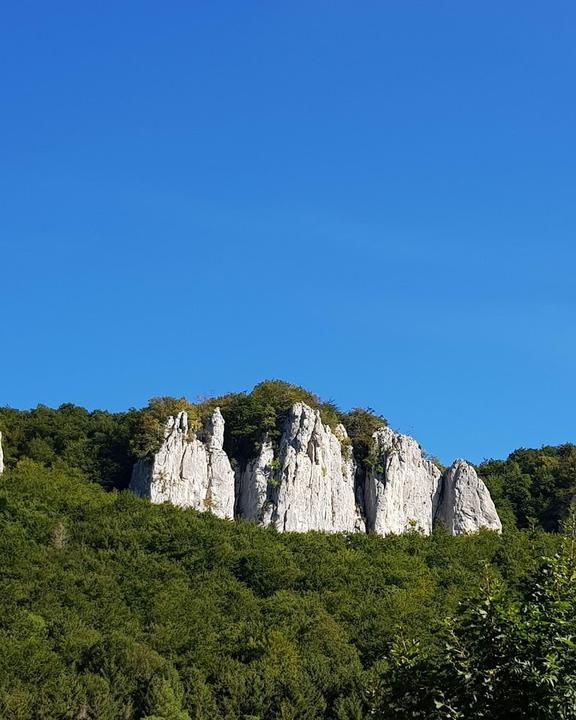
(376, 200)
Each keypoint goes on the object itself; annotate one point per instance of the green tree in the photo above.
(503, 659)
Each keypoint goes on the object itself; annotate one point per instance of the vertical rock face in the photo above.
(310, 480)
(466, 505)
(188, 472)
(310, 485)
(1, 456)
(256, 486)
(403, 490)
(220, 474)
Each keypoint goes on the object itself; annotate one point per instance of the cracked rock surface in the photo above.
(310, 480)
(309, 484)
(466, 504)
(188, 472)
(403, 489)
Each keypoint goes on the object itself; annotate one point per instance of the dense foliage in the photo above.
(113, 608)
(501, 659)
(533, 487)
(261, 413)
(105, 445)
(98, 443)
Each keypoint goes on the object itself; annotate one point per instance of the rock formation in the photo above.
(187, 471)
(309, 485)
(466, 504)
(256, 486)
(310, 480)
(403, 488)
(1, 456)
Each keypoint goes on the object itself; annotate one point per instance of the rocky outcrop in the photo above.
(403, 488)
(310, 481)
(188, 471)
(406, 490)
(466, 504)
(256, 486)
(308, 484)
(1, 456)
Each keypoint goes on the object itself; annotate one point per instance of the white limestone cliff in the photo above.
(310, 481)
(310, 485)
(466, 504)
(403, 489)
(256, 483)
(188, 472)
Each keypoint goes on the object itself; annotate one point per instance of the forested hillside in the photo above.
(111, 607)
(114, 608)
(532, 488)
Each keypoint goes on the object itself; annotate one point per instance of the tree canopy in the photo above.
(111, 607)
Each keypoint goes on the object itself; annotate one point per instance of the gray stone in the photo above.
(255, 481)
(403, 490)
(309, 485)
(309, 480)
(188, 472)
(466, 504)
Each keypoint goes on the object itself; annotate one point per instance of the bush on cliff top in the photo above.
(252, 417)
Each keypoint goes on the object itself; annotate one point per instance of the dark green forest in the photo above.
(112, 608)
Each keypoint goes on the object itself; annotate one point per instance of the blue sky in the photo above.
(375, 200)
